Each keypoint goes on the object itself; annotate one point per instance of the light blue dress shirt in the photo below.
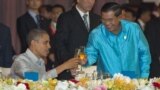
(127, 51)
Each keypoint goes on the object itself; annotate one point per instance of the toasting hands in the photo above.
(72, 63)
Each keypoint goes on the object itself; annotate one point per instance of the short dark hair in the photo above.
(35, 34)
(143, 9)
(112, 6)
(128, 8)
(58, 6)
(48, 7)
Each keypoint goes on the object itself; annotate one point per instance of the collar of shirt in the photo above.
(141, 23)
(34, 58)
(33, 15)
(122, 35)
(81, 13)
(54, 24)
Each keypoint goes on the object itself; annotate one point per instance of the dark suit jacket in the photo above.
(5, 47)
(71, 34)
(152, 32)
(25, 23)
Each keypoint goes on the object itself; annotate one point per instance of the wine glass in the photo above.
(81, 56)
(79, 53)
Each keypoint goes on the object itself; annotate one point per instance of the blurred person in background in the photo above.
(152, 32)
(129, 13)
(45, 11)
(143, 15)
(73, 28)
(6, 50)
(30, 20)
(56, 11)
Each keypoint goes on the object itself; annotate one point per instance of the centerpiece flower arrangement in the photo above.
(121, 82)
(118, 82)
(12, 84)
(50, 84)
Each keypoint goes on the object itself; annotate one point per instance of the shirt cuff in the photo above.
(52, 73)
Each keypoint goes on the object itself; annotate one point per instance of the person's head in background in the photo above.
(34, 5)
(111, 15)
(56, 11)
(85, 5)
(129, 13)
(45, 11)
(38, 42)
(158, 10)
(144, 13)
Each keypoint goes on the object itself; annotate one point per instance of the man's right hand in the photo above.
(72, 63)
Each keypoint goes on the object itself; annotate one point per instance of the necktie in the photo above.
(85, 21)
(38, 20)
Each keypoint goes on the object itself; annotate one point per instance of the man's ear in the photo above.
(33, 42)
(123, 14)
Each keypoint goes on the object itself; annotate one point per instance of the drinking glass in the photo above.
(79, 53)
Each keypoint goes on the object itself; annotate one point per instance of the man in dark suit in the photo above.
(5, 49)
(152, 32)
(30, 20)
(143, 16)
(73, 28)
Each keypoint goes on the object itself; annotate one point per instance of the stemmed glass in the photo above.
(102, 76)
(82, 56)
(79, 53)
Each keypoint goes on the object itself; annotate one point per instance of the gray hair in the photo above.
(35, 34)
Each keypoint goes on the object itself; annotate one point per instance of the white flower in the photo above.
(117, 75)
(142, 83)
(62, 85)
(120, 76)
(80, 88)
(20, 87)
(71, 84)
(45, 82)
(7, 87)
(147, 88)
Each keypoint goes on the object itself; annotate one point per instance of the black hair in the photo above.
(142, 9)
(35, 34)
(47, 7)
(58, 6)
(112, 6)
(128, 8)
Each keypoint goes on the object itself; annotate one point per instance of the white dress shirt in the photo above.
(82, 13)
(142, 24)
(29, 62)
(33, 15)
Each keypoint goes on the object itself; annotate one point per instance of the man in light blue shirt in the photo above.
(118, 45)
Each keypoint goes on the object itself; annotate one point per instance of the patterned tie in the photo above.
(85, 21)
(38, 20)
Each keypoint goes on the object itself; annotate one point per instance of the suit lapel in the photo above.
(91, 18)
(79, 19)
(30, 20)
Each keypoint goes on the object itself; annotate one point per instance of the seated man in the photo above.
(31, 60)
